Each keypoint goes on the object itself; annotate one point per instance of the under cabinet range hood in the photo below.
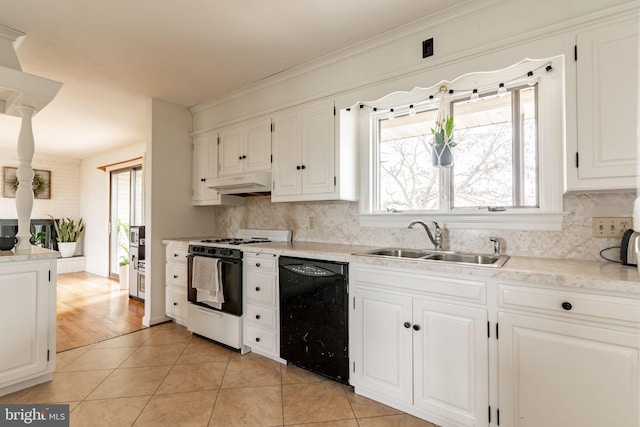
(247, 183)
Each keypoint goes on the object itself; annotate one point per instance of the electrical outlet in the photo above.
(611, 226)
(312, 223)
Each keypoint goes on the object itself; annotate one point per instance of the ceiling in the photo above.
(112, 56)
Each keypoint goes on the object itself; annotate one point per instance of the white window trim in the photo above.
(551, 128)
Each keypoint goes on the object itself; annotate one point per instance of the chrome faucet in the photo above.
(496, 245)
(437, 239)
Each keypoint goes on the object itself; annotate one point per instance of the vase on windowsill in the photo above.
(442, 156)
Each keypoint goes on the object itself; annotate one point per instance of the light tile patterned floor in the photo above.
(164, 376)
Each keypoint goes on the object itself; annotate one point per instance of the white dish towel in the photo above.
(207, 282)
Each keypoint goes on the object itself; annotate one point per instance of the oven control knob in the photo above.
(211, 251)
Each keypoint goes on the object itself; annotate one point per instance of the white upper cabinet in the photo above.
(205, 166)
(607, 99)
(308, 158)
(245, 147)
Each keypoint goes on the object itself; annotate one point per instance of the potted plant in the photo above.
(68, 232)
(443, 143)
(123, 272)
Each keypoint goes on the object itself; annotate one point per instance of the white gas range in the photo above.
(223, 323)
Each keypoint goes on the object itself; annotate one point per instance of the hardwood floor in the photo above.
(92, 308)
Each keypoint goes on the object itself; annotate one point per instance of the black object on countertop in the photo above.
(314, 316)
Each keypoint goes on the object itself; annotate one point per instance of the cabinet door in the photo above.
(451, 376)
(555, 373)
(258, 146)
(287, 155)
(24, 320)
(176, 304)
(205, 165)
(383, 344)
(607, 102)
(231, 150)
(318, 149)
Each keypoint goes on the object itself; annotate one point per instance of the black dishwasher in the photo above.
(313, 316)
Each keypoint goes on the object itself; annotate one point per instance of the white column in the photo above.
(24, 194)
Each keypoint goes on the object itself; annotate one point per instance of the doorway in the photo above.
(126, 210)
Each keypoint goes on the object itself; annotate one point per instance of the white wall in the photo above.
(93, 191)
(65, 185)
(168, 189)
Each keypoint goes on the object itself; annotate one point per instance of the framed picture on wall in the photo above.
(41, 183)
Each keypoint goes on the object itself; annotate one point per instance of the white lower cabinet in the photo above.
(261, 316)
(176, 272)
(417, 352)
(559, 368)
(27, 323)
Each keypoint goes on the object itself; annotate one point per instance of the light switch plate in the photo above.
(611, 226)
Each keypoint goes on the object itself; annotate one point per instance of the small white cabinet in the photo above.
(27, 323)
(261, 320)
(607, 101)
(176, 272)
(205, 166)
(245, 147)
(567, 359)
(413, 349)
(309, 161)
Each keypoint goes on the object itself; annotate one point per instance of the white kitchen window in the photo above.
(507, 169)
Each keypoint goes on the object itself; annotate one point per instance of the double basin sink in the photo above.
(481, 260)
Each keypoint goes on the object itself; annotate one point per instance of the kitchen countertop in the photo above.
(588, 275)
(591, 275)
(37, 253)
(183, 242)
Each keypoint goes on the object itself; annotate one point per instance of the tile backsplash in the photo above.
(337, 222)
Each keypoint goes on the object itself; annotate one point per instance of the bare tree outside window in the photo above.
(407, 180)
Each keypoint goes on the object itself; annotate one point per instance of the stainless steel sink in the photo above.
(481, 260)
(397, 253)
(466, 258)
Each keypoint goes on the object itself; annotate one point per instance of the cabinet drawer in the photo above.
(424, 283)
(176, 275)
(262, 316)
(262, 339)
(266, 263)
(261, 288)
(176, 303)
(176, 255)
(570, 303)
